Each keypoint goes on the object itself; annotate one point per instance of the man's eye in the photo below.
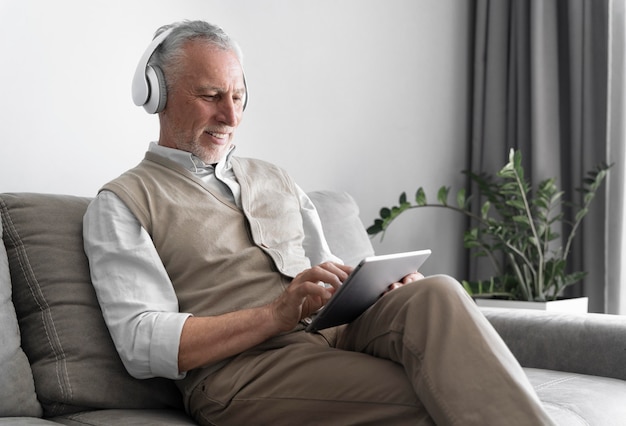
(210, 97)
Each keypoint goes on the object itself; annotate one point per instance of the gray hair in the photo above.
(167, 56)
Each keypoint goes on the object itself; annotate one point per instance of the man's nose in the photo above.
(229, 112)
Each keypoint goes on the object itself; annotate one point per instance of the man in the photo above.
(202, 265)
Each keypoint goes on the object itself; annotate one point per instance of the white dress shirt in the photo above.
(136, 295)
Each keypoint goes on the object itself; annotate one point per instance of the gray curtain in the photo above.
(539, 84)
(615, 292)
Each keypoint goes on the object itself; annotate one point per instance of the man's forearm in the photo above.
(206, 340)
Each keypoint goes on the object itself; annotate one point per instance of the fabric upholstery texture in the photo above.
(17, 389)
(26, 421)
(74, 362)
(342, 225)
(582, 337)
(578, 399)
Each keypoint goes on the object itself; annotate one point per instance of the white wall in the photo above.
(364, 96)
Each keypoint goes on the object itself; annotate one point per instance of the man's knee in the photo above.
(441, 290)
(439, 284)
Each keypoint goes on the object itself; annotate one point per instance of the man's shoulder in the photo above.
(257, 164)
(251, 160)
(151, 168)
(257, 171)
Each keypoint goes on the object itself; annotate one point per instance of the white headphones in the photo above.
(149, 88)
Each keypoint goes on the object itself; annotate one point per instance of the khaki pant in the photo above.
(422, 355)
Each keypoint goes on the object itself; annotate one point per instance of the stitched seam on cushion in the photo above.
(555, 382)
(35, 290)
(566, 408)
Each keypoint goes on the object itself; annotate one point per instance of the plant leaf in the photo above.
(442, 195)
(460, 198)
(420, 197)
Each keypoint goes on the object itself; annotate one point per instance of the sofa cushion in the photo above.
(17, 392)
(26, 421)
(74, 362)
(591, 344)
(342, 225)
(577, 399)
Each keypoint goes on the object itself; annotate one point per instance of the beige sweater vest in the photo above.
(219, 258)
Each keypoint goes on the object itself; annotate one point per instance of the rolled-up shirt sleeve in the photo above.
(135, 293)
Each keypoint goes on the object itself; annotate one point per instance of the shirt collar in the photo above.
(190, 161)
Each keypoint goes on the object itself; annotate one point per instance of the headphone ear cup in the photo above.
(157, 98)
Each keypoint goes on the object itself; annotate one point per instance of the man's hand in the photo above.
(307, 293)
(414, 276)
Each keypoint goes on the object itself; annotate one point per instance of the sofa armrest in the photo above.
(593, 344)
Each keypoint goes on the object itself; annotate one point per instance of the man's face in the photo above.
(204, 103)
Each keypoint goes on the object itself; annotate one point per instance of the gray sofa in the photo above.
(58, 364)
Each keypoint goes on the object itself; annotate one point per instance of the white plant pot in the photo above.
(574, 305)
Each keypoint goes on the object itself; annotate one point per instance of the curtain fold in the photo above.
(540, 85)
(615, 250)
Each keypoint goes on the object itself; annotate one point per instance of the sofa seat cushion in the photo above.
(26, 421)
(73, 359)
(578, 399)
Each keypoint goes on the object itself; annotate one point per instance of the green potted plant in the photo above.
(516, 228)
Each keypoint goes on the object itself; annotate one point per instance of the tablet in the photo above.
(367, 282)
